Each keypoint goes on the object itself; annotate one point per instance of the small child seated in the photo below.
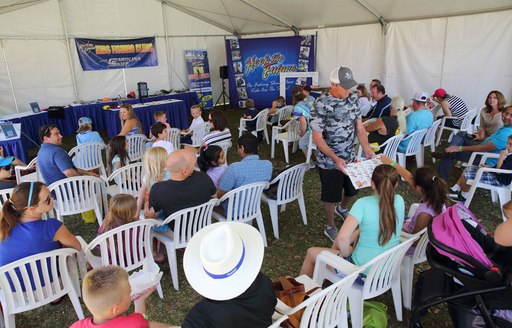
(195, 112)
(160, 116)
(159, 130)
(250, 113)
(273, 111)
(106, 293)
(85, 133)
(212, 161)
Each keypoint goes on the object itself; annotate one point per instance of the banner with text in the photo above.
(254, 66)
(113, 54)
(199, 76)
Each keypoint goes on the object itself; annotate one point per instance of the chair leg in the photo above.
(355, 299)
(397, 299)
(261, 227)
(406, 275)
(266, 135)
(285, 147)
(302, 207)
(272, 206)
(420, 157)
(504, 196)
(272, 148)
(433, 149)
(160, 291)
(173, 266)
(99, 217)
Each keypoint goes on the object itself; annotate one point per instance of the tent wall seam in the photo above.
(444, 52)
(164, 18)
(9, 76)
(68, 50)
(119, 36)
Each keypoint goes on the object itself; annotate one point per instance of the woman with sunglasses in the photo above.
(23, 232)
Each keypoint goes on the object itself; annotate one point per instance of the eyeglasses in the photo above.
(210, 120)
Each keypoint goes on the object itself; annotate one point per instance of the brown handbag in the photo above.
(291, 293)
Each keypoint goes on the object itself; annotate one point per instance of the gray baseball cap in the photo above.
(343, 76)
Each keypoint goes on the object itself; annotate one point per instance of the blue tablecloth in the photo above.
(14, 147)
(177, 116)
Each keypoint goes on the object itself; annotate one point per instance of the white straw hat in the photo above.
(222, 260)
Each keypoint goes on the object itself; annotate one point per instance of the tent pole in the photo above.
(9, 76)
(119, 36)
(444, 52)
(164, 17)
(68, 48)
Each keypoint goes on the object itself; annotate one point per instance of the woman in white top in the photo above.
(363, 100)
(490, 115)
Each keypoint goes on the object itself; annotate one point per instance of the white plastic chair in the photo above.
(186, 223)
(88, 156)
(327, 307)
(391, 147)
(289, 188)
(430, 140)
(243, 204)
(414, 147)
(198, 133)
(409, 261)
(173, 136)
(261, 124)
(127, 180)
(311, 147)
(383, 274)
(291, 134)
(466, 124)
(225, 145)
(34, 176)
(126, 246)
(58, 276)
(136, 147)
(5, 194)
(501, 193)
(79, 194)
(285, 113)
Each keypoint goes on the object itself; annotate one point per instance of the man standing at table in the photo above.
(336, 121)
(53, 161)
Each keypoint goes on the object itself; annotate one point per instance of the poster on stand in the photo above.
(198, 72)
(254, 66)
(115, 54)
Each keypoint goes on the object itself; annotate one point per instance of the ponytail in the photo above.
(13, 209)
(208, 155)
(434, 188)
(385, 178)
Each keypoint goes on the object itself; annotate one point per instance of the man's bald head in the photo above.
(179, 161)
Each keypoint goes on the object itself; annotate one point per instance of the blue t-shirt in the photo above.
(417, 120)
(381, 108)
(52, 161)
(249, 170)
(366, 212)
(88, 136)
(499, 140)
(29, 238)
(301, 109)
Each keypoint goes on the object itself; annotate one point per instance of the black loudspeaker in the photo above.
(143, 89)
(56, 112)
(223, 72)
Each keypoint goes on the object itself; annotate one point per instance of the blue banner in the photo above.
(199, 76)
(114, 54)
(255, 64)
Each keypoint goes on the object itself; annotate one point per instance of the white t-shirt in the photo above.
(169, 148)
(196, 122)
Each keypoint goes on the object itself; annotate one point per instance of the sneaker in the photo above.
(312, 165)
(331, 233)
(453, 191)
(341, 212)
(459, 198)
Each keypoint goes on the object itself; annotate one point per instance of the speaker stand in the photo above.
(224, 95)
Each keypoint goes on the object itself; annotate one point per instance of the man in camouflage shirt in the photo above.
(335, 122)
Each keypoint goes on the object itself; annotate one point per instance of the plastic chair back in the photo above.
(290, 183)
(415, 140)
(467, 124)
(198, 133)
(128, 179)
(244, 203)
(88, 156)
(392, 146)
(173, 136)
(37, 280)
(5, 194)
(285, 113)
(136, 147)
(430, 136)
(261, 121)
(28, 177)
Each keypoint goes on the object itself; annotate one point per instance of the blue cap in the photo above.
(84, 120)
(4, 161)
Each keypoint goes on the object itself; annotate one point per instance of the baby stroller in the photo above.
(469, 271)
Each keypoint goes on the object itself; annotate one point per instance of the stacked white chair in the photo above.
(34, 176)
(409, 261)
(289, 188)
(198, 133)
(186, 223)
(127, 180)
(383, 274)
(327, 307)
(414, 147)
(58, 277)
(291, 134)
(261, 124)
(466, 124)
(88, 156)
(243, 204)
(136, 147)
(173, 136)
(126, 246)
(79, 194)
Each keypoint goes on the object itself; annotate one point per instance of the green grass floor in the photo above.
(282, 257)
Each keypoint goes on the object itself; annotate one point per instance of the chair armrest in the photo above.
(245, 120)
(276, 129)
(485, 156)
(326, 260)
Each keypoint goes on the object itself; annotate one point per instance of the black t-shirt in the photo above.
(252, 309)
(381, 108)
(172, 196)
(505, 178)
(391, 124)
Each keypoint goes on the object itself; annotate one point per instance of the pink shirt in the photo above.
(134, 320)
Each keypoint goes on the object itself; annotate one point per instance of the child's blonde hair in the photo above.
(104, 287)
(154, 165)
(196, 107)
(122, 210)
(84, 128)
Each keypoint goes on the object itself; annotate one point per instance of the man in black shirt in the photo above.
(383, 102)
